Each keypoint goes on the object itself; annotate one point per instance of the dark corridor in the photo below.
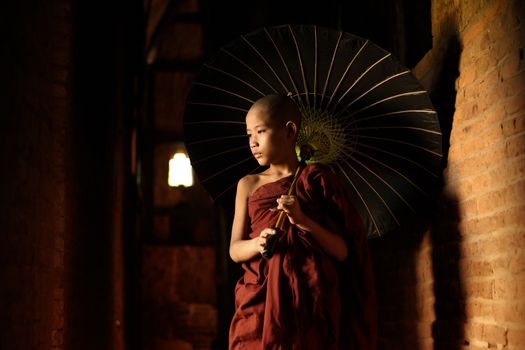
(101, 251)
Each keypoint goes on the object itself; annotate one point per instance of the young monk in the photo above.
(316, 292)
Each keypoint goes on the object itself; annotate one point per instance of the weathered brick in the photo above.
(484, 130)
(473, 330)
(513, 125)
(499, 198)
(487, 72)
(494, 334)
(478, 308)
(483, 290)
(466, 78)
(476, 268)
(513, 64)
(514, 104)
(517, 263)
(426, 312)
(511, 86)
(515, 146)
(509, 311)
(502, 241)
(516, 336)
(509, 286)
(514, 217)
(507, 45)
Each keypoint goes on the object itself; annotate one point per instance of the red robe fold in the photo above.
(301, 298)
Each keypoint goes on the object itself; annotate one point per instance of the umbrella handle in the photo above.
(306, 152)
(272, 240)
(280, 219)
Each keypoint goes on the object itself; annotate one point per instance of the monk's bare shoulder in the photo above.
(248, 184)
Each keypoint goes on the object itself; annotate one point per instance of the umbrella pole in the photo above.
(305, 154)
(272, 240)
(280, 219)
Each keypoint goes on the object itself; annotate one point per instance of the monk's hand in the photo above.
(290, 205)
(263, 238)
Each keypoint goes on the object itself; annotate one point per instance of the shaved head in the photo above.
(280, 108)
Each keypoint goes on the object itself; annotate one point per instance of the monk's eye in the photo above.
(248, 135)
(261, 131)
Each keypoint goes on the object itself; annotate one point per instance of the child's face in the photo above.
(267, 137)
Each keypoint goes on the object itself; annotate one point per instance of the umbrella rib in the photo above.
(344, 75)
(214, 122)
(402, 127)
(330, 67)
(394, 170)
(300, 65)
(373, 88)
(405, 111)
(226, 190)
(375, 191)
(363, 74)
(216, 139)
(411, 93)
(216, 105)
(267, 63)
(401, 142)
(224, 90)
(232, 185)
(227, 168)
(218, 154)
(251, 69)
(234, 77)
(285, 66)
(401, 157)
(382, 180)
(359, 194)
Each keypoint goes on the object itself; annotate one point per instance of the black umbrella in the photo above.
(368, 117)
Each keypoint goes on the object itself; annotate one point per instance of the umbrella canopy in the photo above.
(367, 116)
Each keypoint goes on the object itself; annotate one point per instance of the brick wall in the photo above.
(35, 110)
(459, 282)
(179, 297)
(62, 179)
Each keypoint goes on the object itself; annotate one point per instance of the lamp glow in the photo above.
(180, 171)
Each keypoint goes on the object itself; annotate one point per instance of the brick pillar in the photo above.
(35, 109)
(468, 267)
(65, 158)
(486, 171)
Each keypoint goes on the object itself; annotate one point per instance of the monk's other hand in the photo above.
(263, 238)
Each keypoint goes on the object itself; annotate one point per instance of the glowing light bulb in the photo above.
(180, 171)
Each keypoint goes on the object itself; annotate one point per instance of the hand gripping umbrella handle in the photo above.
(272, 240)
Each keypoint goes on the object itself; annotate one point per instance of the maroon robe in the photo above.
(301, 298)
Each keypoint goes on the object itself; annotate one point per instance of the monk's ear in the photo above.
(291, 128)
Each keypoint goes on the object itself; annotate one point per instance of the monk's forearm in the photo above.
(333, 244)
(243, 250)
